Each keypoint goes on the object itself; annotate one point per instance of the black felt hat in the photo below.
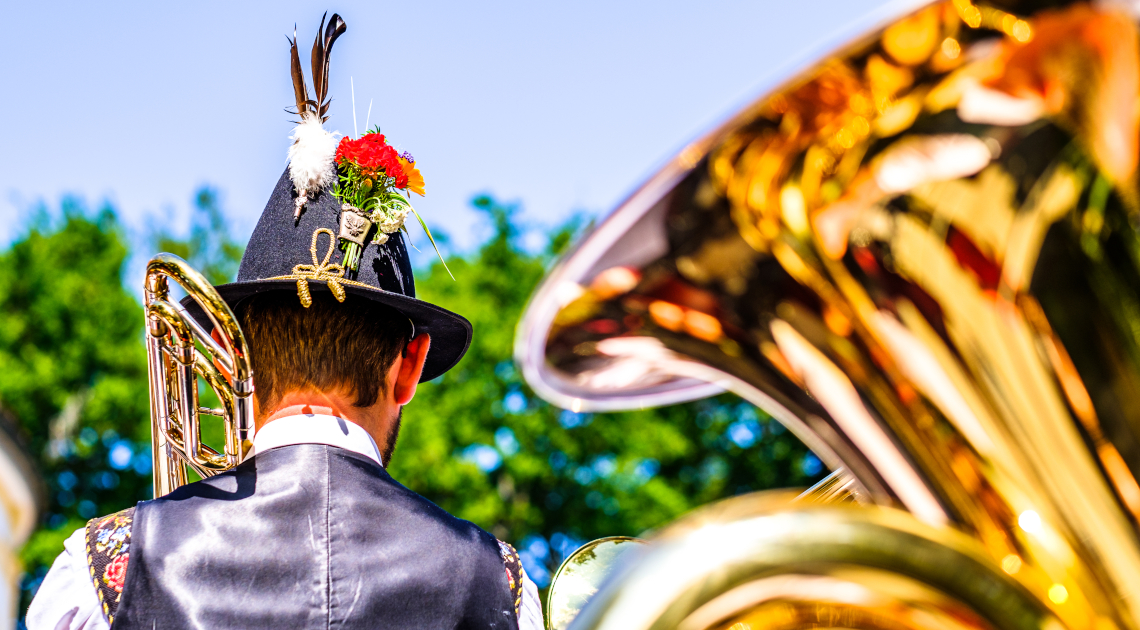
(302, 257)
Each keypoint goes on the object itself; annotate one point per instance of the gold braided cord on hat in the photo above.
(331, 274)
(322, 271)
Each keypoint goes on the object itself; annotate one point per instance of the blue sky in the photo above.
(562, 107)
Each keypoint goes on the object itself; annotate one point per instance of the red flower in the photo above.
(401, 175)
(116, 572)
(372, 155)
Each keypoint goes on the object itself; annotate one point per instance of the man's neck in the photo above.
(317, 429)
(371, 419)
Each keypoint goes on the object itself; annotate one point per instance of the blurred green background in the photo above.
(476, 441)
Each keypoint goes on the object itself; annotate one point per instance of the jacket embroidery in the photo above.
(108, 551)
(513, 566)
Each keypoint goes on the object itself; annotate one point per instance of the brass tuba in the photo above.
(921, 255)
(179, 353)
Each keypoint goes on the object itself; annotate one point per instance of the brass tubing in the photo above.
(243, 420)
(167, 474)
(183, 352)
(163, 465)
(175, 365)
(720, 563)
(216, 351)
(217, 382)
(220, 314)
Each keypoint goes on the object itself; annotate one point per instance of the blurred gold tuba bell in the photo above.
(922, 255)
(179, 352)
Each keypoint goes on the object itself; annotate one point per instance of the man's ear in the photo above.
(411, 369)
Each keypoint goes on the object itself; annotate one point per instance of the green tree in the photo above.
(74, 370)
(73, 362)
(478, 441)
(209, 247)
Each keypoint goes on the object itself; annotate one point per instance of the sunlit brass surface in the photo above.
(581, 574)
(584, 571)
(175, 364)
(921, 255)
(837, 487)
(759, 561)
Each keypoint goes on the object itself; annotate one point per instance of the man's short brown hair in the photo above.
(330, 346)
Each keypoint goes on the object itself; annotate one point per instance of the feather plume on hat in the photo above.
(311, 157)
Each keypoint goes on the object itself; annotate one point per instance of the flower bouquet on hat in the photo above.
(369, 178)
(373, 188)
(340, 193)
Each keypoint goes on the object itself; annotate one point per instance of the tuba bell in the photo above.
(921, 254)
(179, 353)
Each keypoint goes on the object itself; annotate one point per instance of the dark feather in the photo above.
(318, 60)
(335, 28)
(299, 90)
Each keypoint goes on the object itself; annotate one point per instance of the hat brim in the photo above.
(450, 333)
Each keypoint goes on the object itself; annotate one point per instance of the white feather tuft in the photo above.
(311, 157)
(311, 160)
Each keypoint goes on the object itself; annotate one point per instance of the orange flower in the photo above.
(415, 179)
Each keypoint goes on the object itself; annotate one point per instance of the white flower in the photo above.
(388, 220)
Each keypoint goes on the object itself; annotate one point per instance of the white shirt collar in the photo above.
(316, 429)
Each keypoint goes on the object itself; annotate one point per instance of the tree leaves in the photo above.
(72, 360)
